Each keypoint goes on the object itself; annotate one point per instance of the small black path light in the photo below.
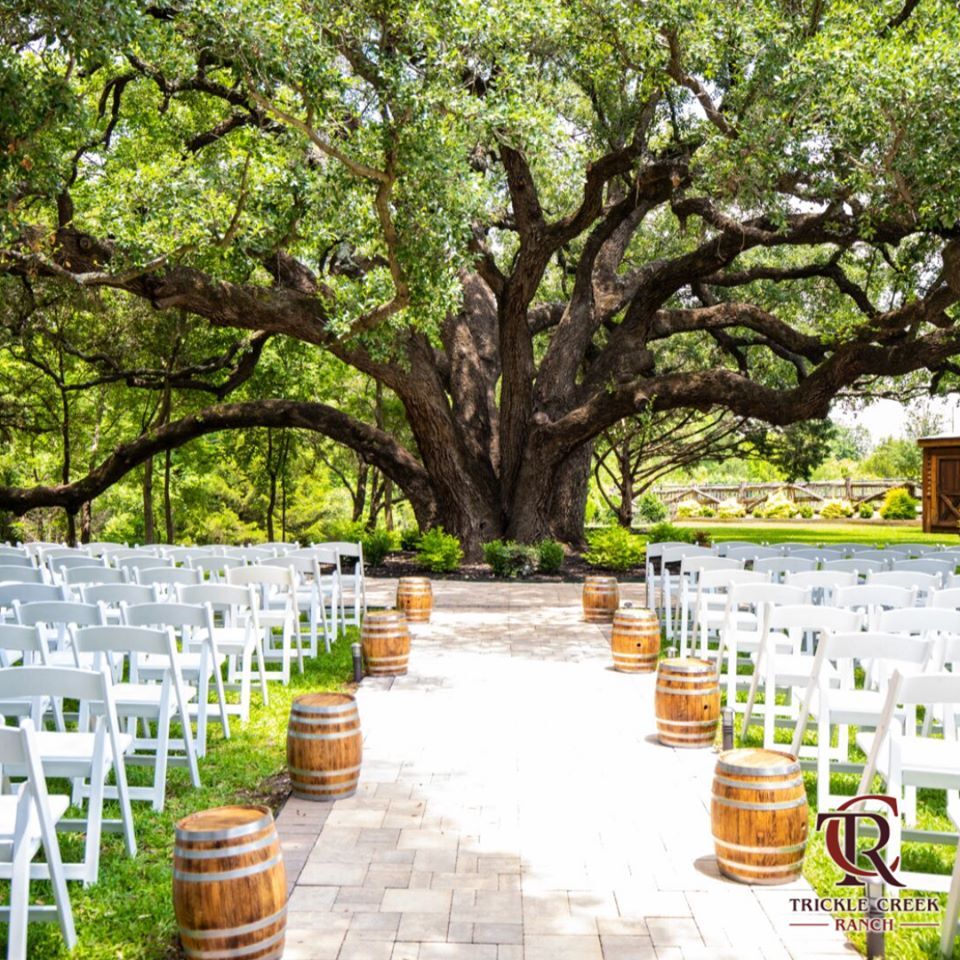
(357, 662)
(726, 719)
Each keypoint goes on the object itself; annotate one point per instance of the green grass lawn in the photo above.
(819, 531)
(128, 914)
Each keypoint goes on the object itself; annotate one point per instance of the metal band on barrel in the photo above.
(744, 805)
(226, 833)
(250, 871)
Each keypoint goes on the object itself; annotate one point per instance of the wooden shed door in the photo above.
(948, 490)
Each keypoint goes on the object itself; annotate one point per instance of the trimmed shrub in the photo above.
(707, 512)
(509, 558)
(549, 556)
(805, 510)
(836, 509)
(865, 510)
(776, 507)
(651, 508)
(687, 509)
(666, 532)
(614, 548)
(439, 551)
(409, 538)
(898, 505)
(731, 509)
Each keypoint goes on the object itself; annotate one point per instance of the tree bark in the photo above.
(148, 516)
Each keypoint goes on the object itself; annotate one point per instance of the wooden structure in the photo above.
(941, 484)
(601, 597)
(687, 702)
(415, 598)
(324, 746)
(385, 638)
(813, 492)
(635, 640)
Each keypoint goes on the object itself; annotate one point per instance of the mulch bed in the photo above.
(574, 569)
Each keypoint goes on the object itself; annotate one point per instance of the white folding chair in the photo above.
(16, 559)
(822, 584)
(948, 598)
(670, 582)
(278, 608)
(355, 581)
(776, 668)
(778, 566)
(239, 636)
(905, 758)
(312, 594)
(818, 554)
(86, 756)
(250, 554)
(130, 565)
(103, 548)
(110, 595)
(145, 702)
(28, 822)
(743, 617)
(940, 568)
(710, 603)
(917, 549)
(844, 705)
(690, 570)
(725, 546)
(923, 583)
(200, 660)
(55, 618)
(214, 569)
(655, 552)
(27, 645)
(872, 599)
(754, 552)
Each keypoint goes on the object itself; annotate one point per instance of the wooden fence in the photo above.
(750, 494)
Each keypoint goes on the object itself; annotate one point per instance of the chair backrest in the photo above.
(250, 554)
(669, 555)
(874, 645)
(887, 556)
(813, 617)
(847, 549)
(28, 593)
(9, 554)
(727, 577)
(788, 547)
(166, 614)
(82, 575)
(124, 639)
(917, 549)
(328, 556)
(280, 548)
(57, 553)
(817, 554)
(693, 565)
(60, 565)
(103, 548)
(792, 564)
(906, 578)
(724, 546)
(926, 565)
(218, 595)
(920, 620)
(822, 579)
(872, 595)
(16, 559)
(753, 552)
(855, 565)
(34, 548)
(132, 564)
(113, 594)
(653, 549)
(303, 565)
(760, 593)
(354, 551)
(21, 575)
(263, 575)
(72, 682)
(58, 613)
(167, 575)
(215, 566)
(23, 639)
(949, 598)
(183, 554)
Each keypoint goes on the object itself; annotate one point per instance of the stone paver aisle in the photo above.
(514, 805)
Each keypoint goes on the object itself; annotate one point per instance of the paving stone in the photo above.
(417, 901)
(423, 927)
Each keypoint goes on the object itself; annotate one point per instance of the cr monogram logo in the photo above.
(844, 852)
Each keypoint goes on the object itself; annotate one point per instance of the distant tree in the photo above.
(797, 450)
(894, 457)
(850, 442)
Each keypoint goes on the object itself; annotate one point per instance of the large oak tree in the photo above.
(527, 219)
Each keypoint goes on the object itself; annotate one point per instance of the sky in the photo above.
(887, 418)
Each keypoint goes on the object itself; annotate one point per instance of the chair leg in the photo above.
(19, 902)
(246, 670)
(163, 748)
(261, 666)
(951, 915)
(751, 699)
(221, 699)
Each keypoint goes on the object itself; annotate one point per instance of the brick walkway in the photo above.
(515, 805)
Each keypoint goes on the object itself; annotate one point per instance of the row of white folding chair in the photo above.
(908, 758)
(28, 819)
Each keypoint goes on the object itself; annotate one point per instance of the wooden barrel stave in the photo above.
(687, 702)
(759, 816)
(324, 746)
(229, 885)
(385, 638)
(601, 597)
(415, 598)
(635, 640)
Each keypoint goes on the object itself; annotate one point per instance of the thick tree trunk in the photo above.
(569, 502)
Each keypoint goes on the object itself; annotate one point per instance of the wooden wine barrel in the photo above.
(385, 638)
(635, 640)
(759, 816)
(415, 598)
(229, 884)
(324, 746)
(687, 702)
(601, 597)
